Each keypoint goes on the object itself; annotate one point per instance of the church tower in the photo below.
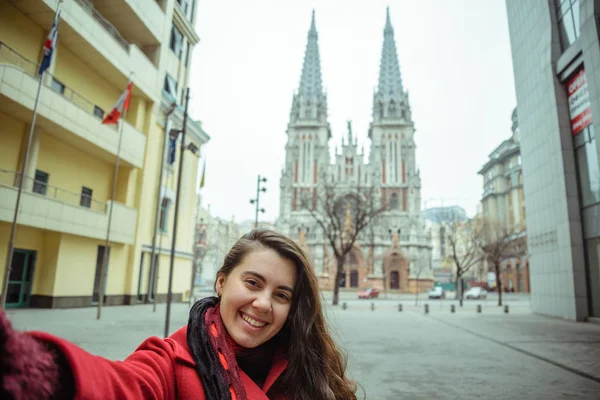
(307, 148)
(392, 154)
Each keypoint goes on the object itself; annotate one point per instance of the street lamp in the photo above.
(257, 199)
(174, 135)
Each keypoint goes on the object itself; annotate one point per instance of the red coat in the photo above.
(158, 369)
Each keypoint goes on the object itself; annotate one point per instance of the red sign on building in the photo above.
(579, 102)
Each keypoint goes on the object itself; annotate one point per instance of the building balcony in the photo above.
(55, 209)
(65, 114)
(96, 41)
(140, 21)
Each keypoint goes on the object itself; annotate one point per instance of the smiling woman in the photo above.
(263, 337)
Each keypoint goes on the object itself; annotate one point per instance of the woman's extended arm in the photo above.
(40, 365)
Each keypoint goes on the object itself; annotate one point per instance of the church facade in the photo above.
(394, 253)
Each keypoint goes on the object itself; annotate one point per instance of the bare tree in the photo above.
(499, 244)
(342, 212)
(417, 266)
(463, 237)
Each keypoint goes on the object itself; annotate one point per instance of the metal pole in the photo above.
(173, 242)
(13, 230)
(257, 200)
(153, 256)
(110, 212)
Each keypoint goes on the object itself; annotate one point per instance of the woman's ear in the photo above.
(220, 283)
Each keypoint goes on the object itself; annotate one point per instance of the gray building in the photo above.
(556, 59)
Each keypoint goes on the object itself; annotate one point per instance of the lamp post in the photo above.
(257, 199)
(174, 134)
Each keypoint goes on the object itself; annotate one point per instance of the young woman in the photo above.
(263, 337)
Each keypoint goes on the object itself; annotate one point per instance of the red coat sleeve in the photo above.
(148, 373)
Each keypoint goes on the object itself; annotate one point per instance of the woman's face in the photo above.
(256, 297)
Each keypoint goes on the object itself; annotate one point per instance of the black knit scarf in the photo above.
(216, 380)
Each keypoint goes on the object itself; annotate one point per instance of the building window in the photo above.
(509, 206)
(394, 202)
(164, 214)
(176, 43)
(98, 112)
(57, 86)
(86, 197)
(588, 166)
(183, 5)
(40, 184)
(170, 86)
(192, 9)
(187, 55)
(567, 12)
(522, 207)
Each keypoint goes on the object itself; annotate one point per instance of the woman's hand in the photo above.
(28, 368)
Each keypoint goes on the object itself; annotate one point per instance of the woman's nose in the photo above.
(263, 302)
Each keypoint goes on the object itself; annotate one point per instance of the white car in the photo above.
(476, 293)
(436, 293)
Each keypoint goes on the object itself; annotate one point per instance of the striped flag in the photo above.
(121, 105)
(50, 43)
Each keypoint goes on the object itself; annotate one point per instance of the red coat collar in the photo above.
(184, 355)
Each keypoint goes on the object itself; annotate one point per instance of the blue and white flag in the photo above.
(172, 150)
(50, 43)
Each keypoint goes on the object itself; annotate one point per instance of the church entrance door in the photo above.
(394, 280)
(354, 279)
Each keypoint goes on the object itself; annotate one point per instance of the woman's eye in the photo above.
(283, 296)
(252, 282)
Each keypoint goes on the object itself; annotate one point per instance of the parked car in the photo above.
(476, 293)
(369, 293)
(437, 293)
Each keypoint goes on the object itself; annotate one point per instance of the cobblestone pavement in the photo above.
(396, 355)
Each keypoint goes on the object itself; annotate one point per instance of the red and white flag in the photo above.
(120, 106)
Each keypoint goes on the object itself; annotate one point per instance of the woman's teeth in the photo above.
(253, 322)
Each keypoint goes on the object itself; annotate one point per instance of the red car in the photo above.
(370, 293)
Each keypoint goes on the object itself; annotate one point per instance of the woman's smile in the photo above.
(253, 322)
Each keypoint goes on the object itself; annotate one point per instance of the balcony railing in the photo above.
(10, 179)
(110, 28)
(31, 68)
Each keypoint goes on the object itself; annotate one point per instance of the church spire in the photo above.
(390, 80)
(310, 82)
(390, 102)
(310, 102)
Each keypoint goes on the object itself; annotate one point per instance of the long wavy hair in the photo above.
(316, 365)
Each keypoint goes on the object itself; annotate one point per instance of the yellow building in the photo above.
(63, 215)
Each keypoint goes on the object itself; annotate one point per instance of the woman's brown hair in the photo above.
(316, 366)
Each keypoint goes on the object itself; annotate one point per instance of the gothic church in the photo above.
(395, 254)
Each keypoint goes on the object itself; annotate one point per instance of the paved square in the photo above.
(396, 355)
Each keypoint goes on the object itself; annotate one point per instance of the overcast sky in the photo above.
(455, 62)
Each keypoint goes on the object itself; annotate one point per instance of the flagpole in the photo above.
(103, 266)
(153, 256)
(11, 241)
(175, 217)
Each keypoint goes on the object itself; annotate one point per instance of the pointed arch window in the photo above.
(394, 202)
(393, 109)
